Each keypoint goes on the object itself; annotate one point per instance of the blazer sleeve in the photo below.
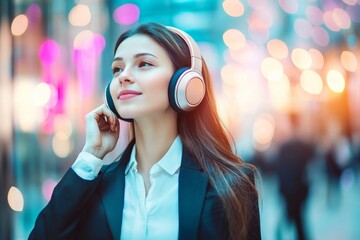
(59, 219)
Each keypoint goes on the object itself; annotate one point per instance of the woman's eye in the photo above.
(145, 64)
(116, 70)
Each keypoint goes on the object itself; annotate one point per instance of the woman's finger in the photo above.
(104, 114)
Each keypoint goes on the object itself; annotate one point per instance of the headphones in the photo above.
(186, 87)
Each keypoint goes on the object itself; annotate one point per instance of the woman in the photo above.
(178, 178)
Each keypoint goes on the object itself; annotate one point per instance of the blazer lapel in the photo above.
(192, 190)
(112, 192)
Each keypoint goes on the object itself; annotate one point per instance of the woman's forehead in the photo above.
(139, 43)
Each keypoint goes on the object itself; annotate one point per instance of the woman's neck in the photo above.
(153, 139)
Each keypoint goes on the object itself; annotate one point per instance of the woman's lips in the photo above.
(127, 94)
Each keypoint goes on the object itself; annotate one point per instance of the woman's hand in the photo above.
(102, 131)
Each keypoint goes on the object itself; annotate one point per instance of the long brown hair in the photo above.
(204, 136)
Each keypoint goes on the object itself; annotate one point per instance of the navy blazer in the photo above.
(82, 209)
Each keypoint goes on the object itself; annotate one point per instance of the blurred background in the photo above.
(287, 81)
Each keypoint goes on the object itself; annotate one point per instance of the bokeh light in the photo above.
(231, 75)
(329, 21)
(234, 39)
(15, 199)
(280, 94)
(61, 144)
(341, 18)
(289, 6)
(303, 28)
(34, 14)
(27, 113)
(335, 81)
(350, 2)
(320, 36)
(98, 43)
(19, 25)
(49, 51)
(63, 124)
(260, 20)
(83, 40)
(126, 14)
(317, 58)
(314, 15)
(301, 58)
(272, 69)
(311, 82)
(42, 94)
(233, 8)
(277, 48)
(47, 188)
(248, 55)
(258, 4)
(53, 96)
(349, 61)
(263, 131)
(80, 15)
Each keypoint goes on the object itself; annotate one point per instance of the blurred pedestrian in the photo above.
(292, 161)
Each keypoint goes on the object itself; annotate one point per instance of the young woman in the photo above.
(178, 178)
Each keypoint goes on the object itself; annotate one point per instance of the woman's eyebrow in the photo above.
(118, 59)
(135, 56)
(144, 54)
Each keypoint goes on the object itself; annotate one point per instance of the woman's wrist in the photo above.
(93, 151)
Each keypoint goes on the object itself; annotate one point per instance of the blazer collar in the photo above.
(192, 189)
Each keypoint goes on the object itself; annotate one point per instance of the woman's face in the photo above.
(142, 71)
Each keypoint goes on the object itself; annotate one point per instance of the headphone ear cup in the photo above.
(172, 88)
(110, 104)
(186, 89)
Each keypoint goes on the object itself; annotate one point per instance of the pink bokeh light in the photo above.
(126, 14)
(98, 42)
(33, 13)
(49, 51)
(48, 188)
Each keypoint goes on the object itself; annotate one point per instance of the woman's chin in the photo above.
(128, 114)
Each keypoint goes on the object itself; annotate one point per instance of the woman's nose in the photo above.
(125, 77)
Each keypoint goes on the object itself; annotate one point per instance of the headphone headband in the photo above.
(195, 54)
